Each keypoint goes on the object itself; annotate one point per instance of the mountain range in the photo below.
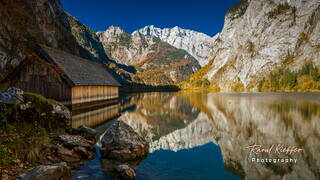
(148, 55)
(268, 45)
(134, 58)
(197, 44)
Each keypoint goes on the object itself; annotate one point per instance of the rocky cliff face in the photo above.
(124, 48)
(25, 23)
(262, 37)
(87, 39)
(92, 49)
(197, 44)
(149, 55)
(45, 22)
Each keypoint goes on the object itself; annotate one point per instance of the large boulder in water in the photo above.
(120, 142)
(49, 172)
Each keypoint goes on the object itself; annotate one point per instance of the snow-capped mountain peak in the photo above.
(199, 45)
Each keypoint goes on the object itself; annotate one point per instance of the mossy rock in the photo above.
(36, 110)
(41, 102)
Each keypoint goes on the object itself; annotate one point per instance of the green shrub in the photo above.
(251, 46)
(274, 81)
(311, 70)
(289, 79)
(238, 86)
(125, 39)
(307, 78)
(281, 9)
(289, 58)
(3, 115)
(40, 113)
(238, 9)
(204, 83)
(25, 142)
(7, 112)
(5, 157)
(260, 84)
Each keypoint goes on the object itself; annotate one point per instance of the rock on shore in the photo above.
(11, 96)
(85, 132)
(50, 172)
(75, 149)
(72, 149)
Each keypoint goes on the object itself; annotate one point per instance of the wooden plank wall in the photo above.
(85, 94)
(37, 78)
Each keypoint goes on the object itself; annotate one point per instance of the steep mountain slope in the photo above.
(45, 22)
(149, 56)
(124, 48)
(197, 44)
(24, 23)
(267, 45)
(92, 49)
(87, 39)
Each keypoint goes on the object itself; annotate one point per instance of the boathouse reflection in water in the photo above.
(94, 117)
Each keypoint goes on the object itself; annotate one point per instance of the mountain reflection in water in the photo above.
(204, 136)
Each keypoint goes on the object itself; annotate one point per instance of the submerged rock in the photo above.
(49, 172)
(120, 142)
(124, 172)
(120, 170)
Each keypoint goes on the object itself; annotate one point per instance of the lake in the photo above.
(210, 136)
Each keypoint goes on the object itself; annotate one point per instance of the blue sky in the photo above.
(205, 16)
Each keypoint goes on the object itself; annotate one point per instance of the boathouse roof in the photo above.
(80, 71)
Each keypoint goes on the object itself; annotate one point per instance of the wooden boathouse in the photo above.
(64, 77)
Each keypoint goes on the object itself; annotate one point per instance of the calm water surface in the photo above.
(205, 136)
